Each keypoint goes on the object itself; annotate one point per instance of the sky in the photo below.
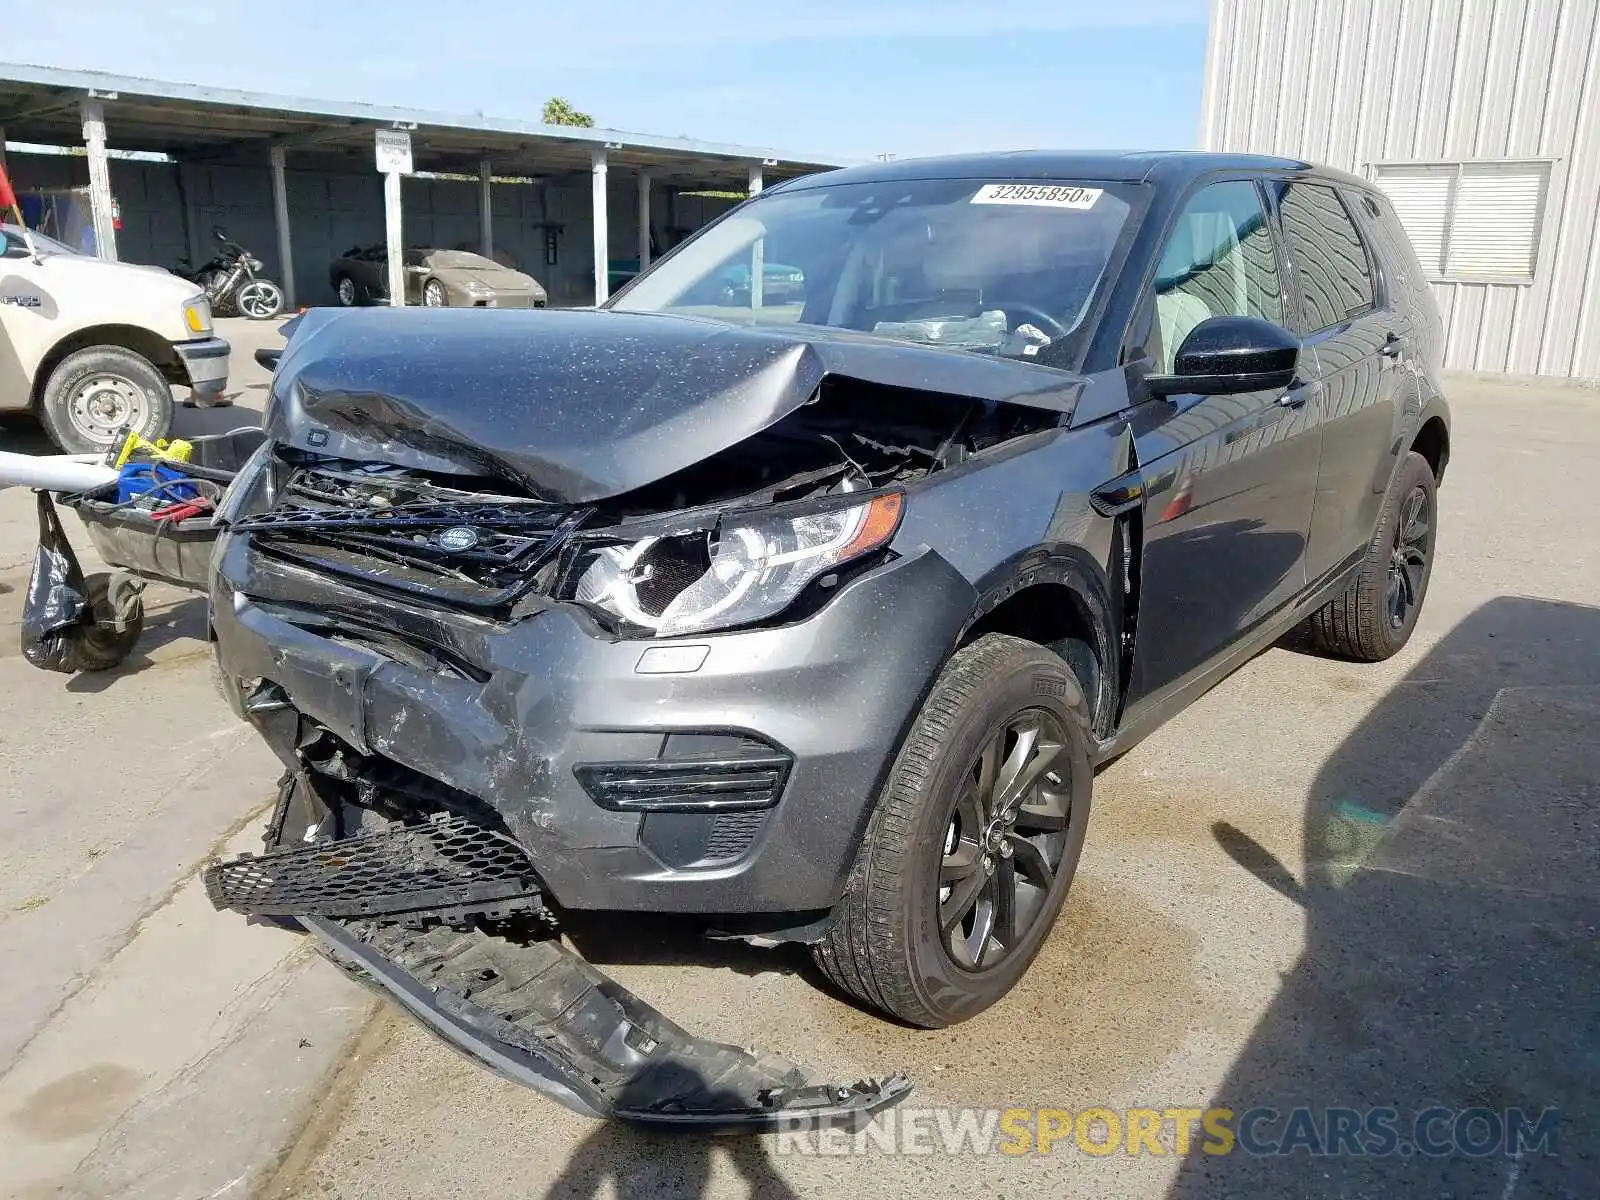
(811, 77)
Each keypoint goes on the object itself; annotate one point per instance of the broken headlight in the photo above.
(751, 567)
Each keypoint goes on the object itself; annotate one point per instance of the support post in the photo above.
(187, 179)
(486, 207)
(94, 141)
(602, 248)
(280, 215)
(644, 221)
(758, 250)
(393, 238)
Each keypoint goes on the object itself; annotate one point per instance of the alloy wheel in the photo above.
(1408, 558)
(1005, 841)
(102, 405)
(433, 294)
(260, 300)
(347, 291)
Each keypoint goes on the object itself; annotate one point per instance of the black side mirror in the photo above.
(1225, 355)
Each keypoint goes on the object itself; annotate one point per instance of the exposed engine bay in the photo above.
(661, 559)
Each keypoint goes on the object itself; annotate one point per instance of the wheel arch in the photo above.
(1059, 597)
(144, 342)
(1432, 441)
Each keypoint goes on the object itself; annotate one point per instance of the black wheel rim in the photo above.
(1005, 841)
(1408, 558)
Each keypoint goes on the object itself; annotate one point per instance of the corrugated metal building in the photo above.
(1480, 118)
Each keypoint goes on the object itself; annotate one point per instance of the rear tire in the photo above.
(1374, 617)
(901, 941)
(92, 393)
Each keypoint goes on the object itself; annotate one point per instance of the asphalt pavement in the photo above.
(1326, 885)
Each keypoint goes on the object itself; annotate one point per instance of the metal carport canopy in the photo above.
(193, 123)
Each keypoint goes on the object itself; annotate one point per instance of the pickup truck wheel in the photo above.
(1374, 617)
(93, 394)
(974, 840)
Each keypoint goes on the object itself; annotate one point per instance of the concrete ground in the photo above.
(1325, 884)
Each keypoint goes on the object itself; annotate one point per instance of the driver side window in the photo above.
(1219, 261)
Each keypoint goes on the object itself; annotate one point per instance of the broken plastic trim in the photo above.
(538, 1015)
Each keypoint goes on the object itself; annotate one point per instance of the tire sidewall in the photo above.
(70, 372)
(1414, 471)
(1035, 679)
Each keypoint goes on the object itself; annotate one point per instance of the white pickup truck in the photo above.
(92, 346)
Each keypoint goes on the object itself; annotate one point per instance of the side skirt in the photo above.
(1161, 709)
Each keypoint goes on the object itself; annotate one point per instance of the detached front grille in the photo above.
(475, 554)
(445, 867)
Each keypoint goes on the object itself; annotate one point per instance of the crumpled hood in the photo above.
(580, 406)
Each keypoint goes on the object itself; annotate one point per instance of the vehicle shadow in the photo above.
(627, 1160)
(1452, 894)
(654, 939)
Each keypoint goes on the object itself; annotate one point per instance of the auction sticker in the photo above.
(1044, 195)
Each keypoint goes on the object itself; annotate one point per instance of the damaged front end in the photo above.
(519, 662)
(445, 917)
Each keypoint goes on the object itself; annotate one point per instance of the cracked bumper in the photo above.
(833, 692)
(541, 1017)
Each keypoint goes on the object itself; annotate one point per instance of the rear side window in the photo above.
(1330, 259)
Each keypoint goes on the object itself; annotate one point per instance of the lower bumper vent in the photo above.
(686, 785)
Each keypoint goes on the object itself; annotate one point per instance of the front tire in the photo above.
(93, 394)
(1374, 617)
(434, 295)
(974, 841)
(345, 289)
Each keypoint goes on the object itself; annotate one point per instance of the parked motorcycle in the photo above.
(232, 285)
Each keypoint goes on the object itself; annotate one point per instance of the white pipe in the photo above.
(55, 472)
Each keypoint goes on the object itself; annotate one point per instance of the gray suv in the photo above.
(807, 615)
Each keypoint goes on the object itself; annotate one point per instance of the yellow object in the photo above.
(163, 449)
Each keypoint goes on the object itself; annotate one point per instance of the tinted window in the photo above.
(1219, 261)
(1329, 259)
(993, 267)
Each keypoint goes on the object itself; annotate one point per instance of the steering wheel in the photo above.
(1034, 315)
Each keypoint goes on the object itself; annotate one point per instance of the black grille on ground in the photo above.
(686, 785)
(446, 866)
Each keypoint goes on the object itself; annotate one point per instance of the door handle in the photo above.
(1392, 346)
(1299, 392)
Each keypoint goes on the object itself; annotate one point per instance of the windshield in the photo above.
(43, 242)
(1008, 268)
